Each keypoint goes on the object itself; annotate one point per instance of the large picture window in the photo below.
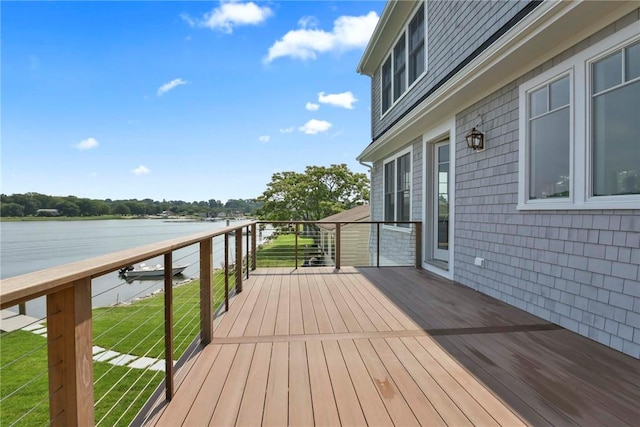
(406, 62)
(397, 188)
(587, 155)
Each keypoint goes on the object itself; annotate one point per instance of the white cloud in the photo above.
(231, 14)
(308, 22)
(87, 144)
(312, 107)
(264, 138)
(287, 130)
(344, 100)
(171, 85)
(141, 170)
(313, 127)
(349, 32)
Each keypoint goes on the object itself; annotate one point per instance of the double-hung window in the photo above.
(397, 188)
(580, 130)
(406, 62)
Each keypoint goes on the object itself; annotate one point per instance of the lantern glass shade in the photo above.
(475, 139)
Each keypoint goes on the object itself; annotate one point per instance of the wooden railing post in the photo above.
(22, 308)
(254, 246)
(206, 312)
(168, 324)
(295, 232)
(248, 254)
(226, 271)
(239, 260)
(418, 245)
(337, 246)
(69, 339)
(378, 244)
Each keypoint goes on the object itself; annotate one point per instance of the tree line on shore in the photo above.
(36, 204)
(311, 195)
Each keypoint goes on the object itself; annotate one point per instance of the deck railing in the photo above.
(70, 345)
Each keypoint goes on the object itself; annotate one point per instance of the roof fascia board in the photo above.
(490, 70)
(393, 19)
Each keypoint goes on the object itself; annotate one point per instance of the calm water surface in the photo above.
(31, 246)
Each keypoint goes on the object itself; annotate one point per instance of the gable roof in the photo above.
(359, 213)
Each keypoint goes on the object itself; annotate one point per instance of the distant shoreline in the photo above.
(70, 218)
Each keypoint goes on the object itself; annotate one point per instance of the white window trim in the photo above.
(405, 32)
(579, 68)
(394, 158)
(446, 129)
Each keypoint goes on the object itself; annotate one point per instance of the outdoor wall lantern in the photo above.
(475, 139)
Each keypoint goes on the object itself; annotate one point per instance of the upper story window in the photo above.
(406, 62)
(397, 188)
(580, 130)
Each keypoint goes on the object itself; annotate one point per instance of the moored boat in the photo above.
(144, 271)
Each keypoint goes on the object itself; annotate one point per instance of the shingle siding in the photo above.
(577, 268)
(449, 42)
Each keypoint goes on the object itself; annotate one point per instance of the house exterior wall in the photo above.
(576, 268)
(449, 41)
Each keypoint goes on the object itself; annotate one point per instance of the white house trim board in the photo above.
(547, 31)
(444, 130)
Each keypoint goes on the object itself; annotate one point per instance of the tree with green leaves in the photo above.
(314, 194)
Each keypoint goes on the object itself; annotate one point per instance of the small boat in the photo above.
(144, 271)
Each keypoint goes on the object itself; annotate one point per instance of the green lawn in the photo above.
(280, 252)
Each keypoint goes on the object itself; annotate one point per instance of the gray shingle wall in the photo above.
(579, 269)
(448, 42)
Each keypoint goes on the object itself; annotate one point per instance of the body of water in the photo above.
(26, 247)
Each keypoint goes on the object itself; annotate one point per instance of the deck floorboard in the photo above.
(393, 346)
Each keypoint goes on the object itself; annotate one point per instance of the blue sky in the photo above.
(179, 100)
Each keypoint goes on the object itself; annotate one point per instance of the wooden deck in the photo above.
(393, 346)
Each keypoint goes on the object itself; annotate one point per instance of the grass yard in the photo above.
(280, 252)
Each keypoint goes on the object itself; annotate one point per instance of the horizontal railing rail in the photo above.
(247, 246)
